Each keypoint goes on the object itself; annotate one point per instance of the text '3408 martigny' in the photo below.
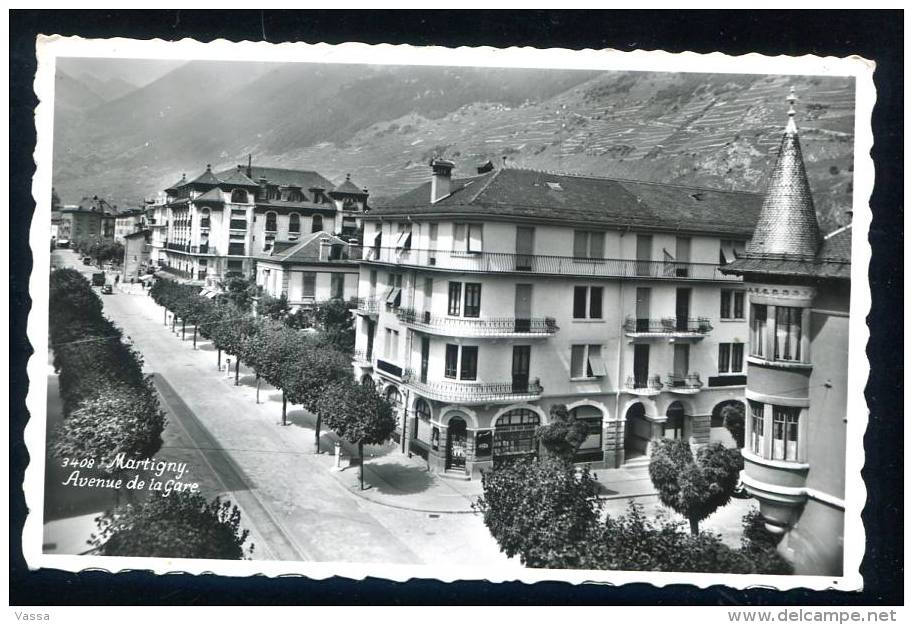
(457, 319)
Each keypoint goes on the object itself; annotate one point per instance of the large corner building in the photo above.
(486, 300)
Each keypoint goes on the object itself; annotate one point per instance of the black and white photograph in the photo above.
(457, 314)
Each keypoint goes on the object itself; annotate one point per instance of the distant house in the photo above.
(136, 254)
(317, 268)
(91, 218)
(221, 222)
(128, 222)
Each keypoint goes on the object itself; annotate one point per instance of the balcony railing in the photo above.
(648, 385)
(668, 326)
(683, 383)
(474, 392)
(502, 262)
(367, 305)
(362, 358)
(192, 249)
(461, 326)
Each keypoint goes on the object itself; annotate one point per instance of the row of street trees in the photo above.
(99, 249)
(547, 511)
(110, 408)
(303, 355)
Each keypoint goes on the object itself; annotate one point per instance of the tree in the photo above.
(118, 419)
(316, 369)
(180, 525)
(563, 435)
(733, 415)
(334, 319)
(357, 414)
(272, 350)
(542, 511)
(276, 308)
(233, 335)
(239, 291)
(694, 486)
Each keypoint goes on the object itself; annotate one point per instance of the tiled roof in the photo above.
(838, 244)
(206, 177)
(236, 177)
(787, 223)
(530, 194)
(305, 251)
(213, 195)
(348, 187)
(285, 177)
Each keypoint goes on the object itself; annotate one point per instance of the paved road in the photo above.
(296, 507)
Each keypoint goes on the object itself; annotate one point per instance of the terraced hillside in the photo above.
(384, 125)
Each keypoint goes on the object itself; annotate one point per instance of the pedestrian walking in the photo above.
(228, 367)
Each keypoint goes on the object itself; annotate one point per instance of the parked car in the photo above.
(86, 260)
(107, 289)
(98, 278)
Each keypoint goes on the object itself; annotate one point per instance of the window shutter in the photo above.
(595, 361)
(577, 355)
(475, 238)
(597, 245)
(580, 244)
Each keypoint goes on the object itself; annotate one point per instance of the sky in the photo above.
(139, 72)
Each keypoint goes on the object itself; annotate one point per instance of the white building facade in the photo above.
(487, 300)
(218, 223)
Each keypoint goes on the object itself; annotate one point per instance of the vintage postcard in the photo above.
(477, 313)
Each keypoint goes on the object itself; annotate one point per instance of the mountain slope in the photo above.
(383, 124)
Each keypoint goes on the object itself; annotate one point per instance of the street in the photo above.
(295, 507)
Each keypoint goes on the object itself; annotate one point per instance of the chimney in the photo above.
(440, 179)
(262, 182)
(324, 254)
(249, 168)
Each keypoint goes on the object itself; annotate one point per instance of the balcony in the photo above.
(536, 264)
(203, 250)
(492, 327)
(645, 387)
(474, 393)
(368, 306)
(668, 327)
(362, 359)
(687, 384)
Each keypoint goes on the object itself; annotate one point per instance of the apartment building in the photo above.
(317, 268)
(219, 222)
(127, 222)
(798, 285)
(486, 300)
(90, 219)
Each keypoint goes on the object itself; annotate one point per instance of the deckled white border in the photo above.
(51, 47)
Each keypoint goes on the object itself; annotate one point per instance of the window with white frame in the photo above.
(732, 304)
(756, 437)
(467, 238)
(785, 433)
(589, 245)
(731, 356)
(758, 324)
(464, 359)
(587, 361)
(787, 333)
(587, 302)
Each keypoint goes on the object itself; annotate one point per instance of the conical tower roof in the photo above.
(206, 177)
(787, 223)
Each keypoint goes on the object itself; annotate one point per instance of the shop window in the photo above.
(422, 424)
(515, 434)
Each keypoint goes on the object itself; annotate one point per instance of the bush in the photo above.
(542, 512)
(181, 525)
